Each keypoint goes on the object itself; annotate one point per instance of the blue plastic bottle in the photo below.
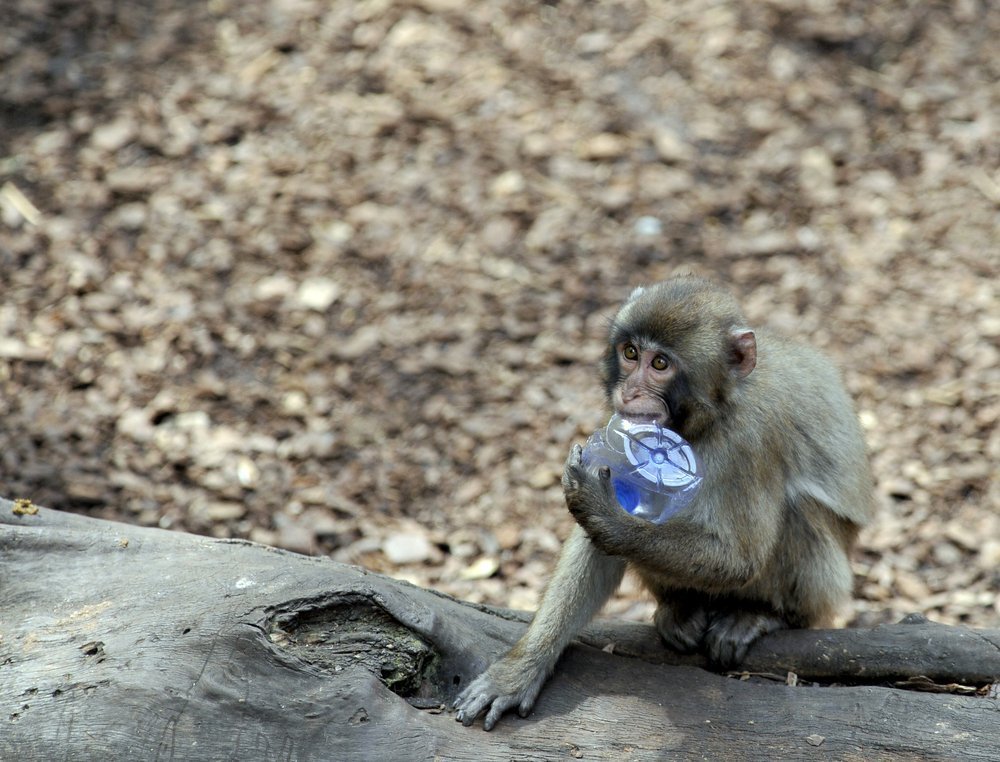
(654, 471)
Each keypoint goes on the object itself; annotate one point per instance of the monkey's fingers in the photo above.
(573, 469)
(475, 699)
(575, 457)
(471, 706)
(460, 699)
(528, 702)
(500, 705)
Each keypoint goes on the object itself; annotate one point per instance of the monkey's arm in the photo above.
(583, 580)
(718, 554)
(721, 550)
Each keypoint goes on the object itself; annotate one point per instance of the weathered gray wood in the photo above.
(883, 654)
(118, 642)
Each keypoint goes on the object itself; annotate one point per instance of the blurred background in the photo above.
(334, 276)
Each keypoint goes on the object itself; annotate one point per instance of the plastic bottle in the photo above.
(654, 471)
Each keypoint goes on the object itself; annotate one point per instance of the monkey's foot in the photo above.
(682, 628)
(731, 634)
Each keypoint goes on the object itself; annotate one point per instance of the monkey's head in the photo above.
(676, 353)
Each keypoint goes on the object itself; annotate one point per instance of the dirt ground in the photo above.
(333, 275)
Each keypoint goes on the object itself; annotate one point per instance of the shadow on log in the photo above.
(124, 643)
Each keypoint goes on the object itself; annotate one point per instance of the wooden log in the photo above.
(119, 642)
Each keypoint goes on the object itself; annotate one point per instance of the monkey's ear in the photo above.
(636, 293)
(743, 344)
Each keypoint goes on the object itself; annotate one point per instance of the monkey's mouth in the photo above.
(660, 418)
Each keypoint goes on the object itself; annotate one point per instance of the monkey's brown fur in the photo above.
(765, 543)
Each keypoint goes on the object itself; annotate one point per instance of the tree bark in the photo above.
(119, 642)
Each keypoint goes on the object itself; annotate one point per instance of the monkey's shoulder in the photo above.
(807, 427)
(797, 380)
(788, 358)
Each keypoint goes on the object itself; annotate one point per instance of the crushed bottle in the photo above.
(654, 471)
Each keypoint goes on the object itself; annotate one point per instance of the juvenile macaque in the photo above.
(765, 543)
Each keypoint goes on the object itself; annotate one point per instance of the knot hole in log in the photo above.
(355, 631)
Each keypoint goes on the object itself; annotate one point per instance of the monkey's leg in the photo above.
(806, 584)
(583, 580)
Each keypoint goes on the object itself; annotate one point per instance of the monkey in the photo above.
(765, 543)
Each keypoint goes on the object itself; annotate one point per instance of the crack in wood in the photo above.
(354, 630)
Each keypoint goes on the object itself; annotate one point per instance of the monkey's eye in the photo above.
(629, 352)
(660, 363)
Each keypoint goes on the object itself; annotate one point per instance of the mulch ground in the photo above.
(334, 275)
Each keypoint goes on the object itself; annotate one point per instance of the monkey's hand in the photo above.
(590, 498)
(509, 683)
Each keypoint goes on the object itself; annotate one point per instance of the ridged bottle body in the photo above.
(654, 471)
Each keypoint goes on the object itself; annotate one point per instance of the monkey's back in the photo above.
(803, 404)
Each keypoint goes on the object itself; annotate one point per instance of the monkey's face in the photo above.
(645, 373)
(675, 352)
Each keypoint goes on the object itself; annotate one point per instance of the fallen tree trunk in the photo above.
(118, 642)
